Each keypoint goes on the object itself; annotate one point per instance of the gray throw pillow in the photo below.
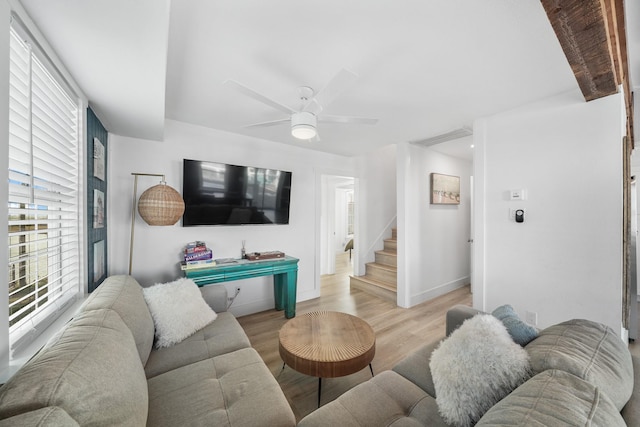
(521, 332)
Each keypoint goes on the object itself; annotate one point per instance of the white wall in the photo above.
(157, 249)
(376, 208)
(327, 224)
(433, 239)
(341, 214)
(565, 260)
(635, 213)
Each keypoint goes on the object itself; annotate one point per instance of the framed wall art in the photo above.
(98, 209)
(99, 261)
(98, 159)
(445, 189)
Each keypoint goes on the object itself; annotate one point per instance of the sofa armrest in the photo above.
(631, 411)
(458, 314)
(215, 296)
(415, 368)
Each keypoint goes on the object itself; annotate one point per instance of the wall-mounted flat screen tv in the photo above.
(223, 194)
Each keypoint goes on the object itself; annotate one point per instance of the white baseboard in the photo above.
(251, 307)
(267, 304)
(439, 290)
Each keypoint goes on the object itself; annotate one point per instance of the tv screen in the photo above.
(222, 194)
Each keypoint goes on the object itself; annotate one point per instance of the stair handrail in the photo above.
(380, 237)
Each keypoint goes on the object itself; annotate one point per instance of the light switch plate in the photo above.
(517, 194)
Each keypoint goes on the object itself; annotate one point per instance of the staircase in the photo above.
(381, 276)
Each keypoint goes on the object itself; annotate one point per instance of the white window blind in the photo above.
(44, 156)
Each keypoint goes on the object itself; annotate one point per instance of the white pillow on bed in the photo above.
(475, 368)
(178, 310)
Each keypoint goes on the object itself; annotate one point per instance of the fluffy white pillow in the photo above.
(178, 310)
(476, 367)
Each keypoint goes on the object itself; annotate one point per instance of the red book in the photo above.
(195, 249)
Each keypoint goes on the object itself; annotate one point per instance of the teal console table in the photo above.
(283, 270)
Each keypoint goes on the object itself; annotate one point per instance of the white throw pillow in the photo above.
(475, 368)
(178, 310)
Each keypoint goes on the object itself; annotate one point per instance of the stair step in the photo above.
(375, 287)
(394, 233)
(382, 273)
(387, 258)
(390, 245)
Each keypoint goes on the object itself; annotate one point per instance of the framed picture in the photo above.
(445, 189)
(98, 261)
(98, 159)
(98, 209)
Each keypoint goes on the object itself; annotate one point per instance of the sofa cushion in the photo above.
(231, 389)
(178, 310)
(92, 371)
(50, 416)
(123, 295)
(222, 336)
(590, 351)
(519, 330)
(554, 398)
(388, 399)
(474, 368)
(412, 367)
(631, 411)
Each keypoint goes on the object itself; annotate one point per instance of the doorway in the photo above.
(337, 223)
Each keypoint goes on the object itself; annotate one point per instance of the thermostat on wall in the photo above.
(518, 194)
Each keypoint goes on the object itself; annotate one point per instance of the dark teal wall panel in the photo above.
(97, 220)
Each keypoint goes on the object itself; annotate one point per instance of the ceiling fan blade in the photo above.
(268, 124)
(257, 96)
(338, 84)
(348, 120)
(314, 139)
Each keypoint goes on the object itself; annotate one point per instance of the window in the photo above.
(44, 166)
(350, 213)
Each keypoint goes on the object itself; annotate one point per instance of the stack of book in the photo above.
(197, 255)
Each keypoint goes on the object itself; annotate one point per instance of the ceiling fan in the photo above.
(304, 121)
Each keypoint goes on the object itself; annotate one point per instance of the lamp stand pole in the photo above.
(133, 210)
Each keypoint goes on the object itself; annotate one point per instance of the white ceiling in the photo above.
(117, 52)
(425, 67)
(461, 148)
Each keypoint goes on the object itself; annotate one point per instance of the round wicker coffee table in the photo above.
(327, 344)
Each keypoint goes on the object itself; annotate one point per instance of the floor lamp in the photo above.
(158, 205)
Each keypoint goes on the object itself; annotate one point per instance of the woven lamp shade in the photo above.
(160, 205)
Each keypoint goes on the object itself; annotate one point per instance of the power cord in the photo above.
(233, 298)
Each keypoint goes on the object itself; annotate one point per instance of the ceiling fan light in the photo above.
(303, 131)
(303, 125)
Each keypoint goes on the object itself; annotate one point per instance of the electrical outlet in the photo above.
(532, 318)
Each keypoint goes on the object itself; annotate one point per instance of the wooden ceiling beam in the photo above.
(581, 28)
(592, 35)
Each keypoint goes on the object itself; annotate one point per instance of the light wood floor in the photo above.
(399, 331)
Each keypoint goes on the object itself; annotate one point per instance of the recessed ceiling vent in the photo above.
(449, 136)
